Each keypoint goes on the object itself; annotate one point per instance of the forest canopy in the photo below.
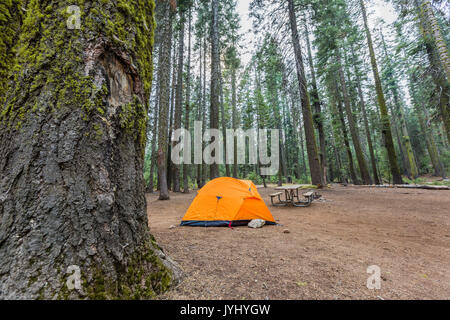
(356, 99)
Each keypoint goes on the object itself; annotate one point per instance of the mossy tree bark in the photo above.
(385, 122)
(311, 146)
(10, 22)
(438, 57)
(72, 139)
(436, 33)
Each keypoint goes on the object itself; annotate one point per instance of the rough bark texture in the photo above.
(385, 123)
(179, 97)
(215, 75)
(313, 155)
(72, 139)
(10, 21)
(164, 64)
(439, 40)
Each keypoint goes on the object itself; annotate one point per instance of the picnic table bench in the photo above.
(292, 196)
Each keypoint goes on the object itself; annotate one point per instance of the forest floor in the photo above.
(406, 232)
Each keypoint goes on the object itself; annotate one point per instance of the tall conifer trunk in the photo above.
(352, 124)
(313, 155)
(215, 80)
(385, 122)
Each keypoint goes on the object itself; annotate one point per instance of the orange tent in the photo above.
(227, 202)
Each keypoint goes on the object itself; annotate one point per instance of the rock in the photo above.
(286, 231)
(257, 223)
(172, 226)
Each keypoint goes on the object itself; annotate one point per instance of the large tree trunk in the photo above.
(318, 117)
(186, 166)
(351, 166)
(223, 122)
(72, 139)
(179, 98)
(171, 119)
(439, 40)
(151, 185)
(296, 142)
(10, 23)
(215, 81)
(165, 53)
(259, 117)
(200, 109)
(234, 119)
(204, 167)
(313, 155)
(366, 121)
(385, 122)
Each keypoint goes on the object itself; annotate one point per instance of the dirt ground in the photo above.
(326, 254)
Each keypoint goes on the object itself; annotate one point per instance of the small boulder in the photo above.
(257, 223)
(172, 226)
(286, 231)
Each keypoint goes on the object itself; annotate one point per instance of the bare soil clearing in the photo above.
(326, 253)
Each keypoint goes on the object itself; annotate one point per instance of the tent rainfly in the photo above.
(227, 202)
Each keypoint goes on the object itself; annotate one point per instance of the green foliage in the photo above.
(50, 57)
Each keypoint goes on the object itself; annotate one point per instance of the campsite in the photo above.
(326, 253)
(199, 150)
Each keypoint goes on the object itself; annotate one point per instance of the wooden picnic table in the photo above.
(290, 192)
(292, 196)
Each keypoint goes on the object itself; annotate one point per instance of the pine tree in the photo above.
(385, 122)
